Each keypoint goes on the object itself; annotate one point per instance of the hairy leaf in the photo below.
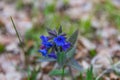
(45, 59)
(73, 63)
(57, 72)
(70, 53)
(73, 38)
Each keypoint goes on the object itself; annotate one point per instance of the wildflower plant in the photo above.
(58, 47)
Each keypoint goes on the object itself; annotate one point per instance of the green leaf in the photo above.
(92, 53)
(70, 53)
(61, 58)
(73, 38)
(32, 74)
(46, 59)
(89, 74)
(60, 30)
(2, 48)
(73, 63)
(57, 72)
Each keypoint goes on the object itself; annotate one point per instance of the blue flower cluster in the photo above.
(53, 44)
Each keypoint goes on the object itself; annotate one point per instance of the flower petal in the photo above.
(43, 52)
(60, 40)
(66, 46)
(52, 55)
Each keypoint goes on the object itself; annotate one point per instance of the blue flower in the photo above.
(59, 40)
(52, 55)
(43, 52)
(44, 38)
(66, 46)
(42, 47)
(45, 41)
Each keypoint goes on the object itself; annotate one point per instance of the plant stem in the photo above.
(24, 57)
(70, 70)
(62, 73)
(17, 33)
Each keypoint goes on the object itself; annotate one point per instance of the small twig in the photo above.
(17, 33)
(24, 56)
(70, 70)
